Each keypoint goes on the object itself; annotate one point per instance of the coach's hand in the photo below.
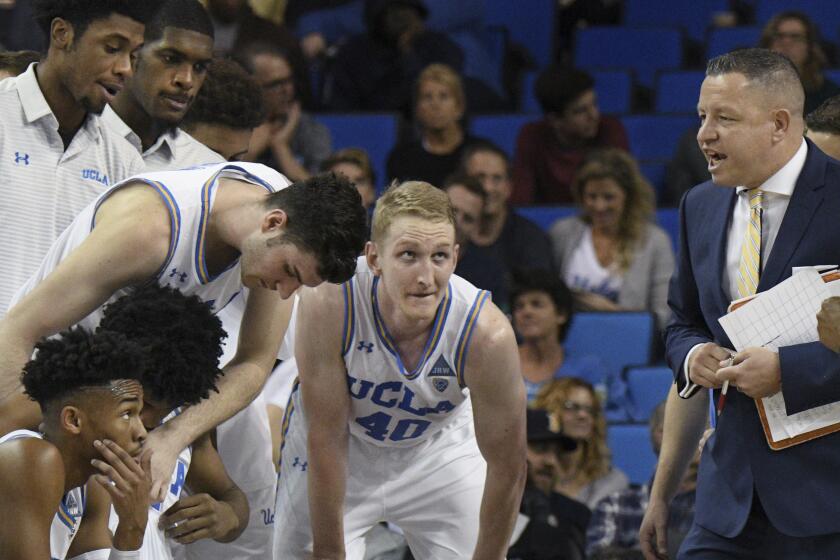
(756, 372)
(198, 517)
(704, 363)
(828, 323)
(653, 534)
(166, 450)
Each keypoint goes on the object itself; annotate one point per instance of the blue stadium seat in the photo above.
(375, 132)
(632, 451)
(725, 39)
(646, 51)
(692, 16)
(544, 216)
(654, 137)
(619, 339)
(500, 129)
(614, 89)
(646, 388)
(677, 92)
(669, 220)
(654, 172)
(833, 75)
(824, 13)
(530, 25)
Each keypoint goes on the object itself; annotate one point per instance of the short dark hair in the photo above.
(557, 87)
(767, 69)
(181, 337)
(17, 62)
(326, 218)
(480, 146)
(79, 359)
(468, 182)
(826, 117)
(246, 56)
(547, 282)
(229, 97)
(183, 14)
(354, 156)
(81, 13)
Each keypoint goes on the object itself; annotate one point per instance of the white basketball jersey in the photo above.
(391, 406)
(188, 195)
(70, 511)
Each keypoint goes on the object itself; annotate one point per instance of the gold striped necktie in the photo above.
(749, 269)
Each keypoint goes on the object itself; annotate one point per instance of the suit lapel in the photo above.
(804, 202)
(717, 223)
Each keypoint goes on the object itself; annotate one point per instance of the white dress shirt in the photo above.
(777, 192)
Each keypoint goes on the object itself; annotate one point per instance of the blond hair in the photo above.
(412, 198)
(446, 76)
(595, 455)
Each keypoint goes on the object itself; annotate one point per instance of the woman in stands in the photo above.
(586, 474)
(794, 35)
(612, 255)
(439, 108)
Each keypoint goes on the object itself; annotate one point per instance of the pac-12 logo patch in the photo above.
(440, 384)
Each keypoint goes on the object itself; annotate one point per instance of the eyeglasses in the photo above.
(572, 406)
(796, 37)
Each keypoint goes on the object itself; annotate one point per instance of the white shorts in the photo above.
(432, 491)
(255, 543)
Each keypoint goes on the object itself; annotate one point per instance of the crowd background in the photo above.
(564, 133)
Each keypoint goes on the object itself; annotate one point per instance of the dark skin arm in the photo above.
(217, 508)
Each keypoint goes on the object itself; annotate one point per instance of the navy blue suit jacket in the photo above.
(799, 487)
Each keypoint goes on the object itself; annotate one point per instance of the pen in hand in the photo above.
(722, 398)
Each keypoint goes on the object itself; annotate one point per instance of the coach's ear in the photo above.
(71, 419)
(372, 256)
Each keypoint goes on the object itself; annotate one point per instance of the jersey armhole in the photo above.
(466, 335)
(349, 317)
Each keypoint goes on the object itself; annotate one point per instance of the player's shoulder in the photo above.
(492, 327)
(31, 466)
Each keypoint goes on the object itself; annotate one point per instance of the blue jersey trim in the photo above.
(466, 334)
(287, 420)
(349, 317)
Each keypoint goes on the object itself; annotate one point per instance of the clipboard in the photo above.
(778, 445)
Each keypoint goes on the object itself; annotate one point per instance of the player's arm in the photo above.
(498, 399)
(93, 533)
(326, 400)
(263, 327)
(216, 509)
(128, 245)
(31, 486)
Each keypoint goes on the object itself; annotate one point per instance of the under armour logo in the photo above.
(365, 346)
(175, 274)
(21, 158)
(300, 464)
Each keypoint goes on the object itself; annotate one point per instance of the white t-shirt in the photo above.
(45, 186)
(586, 274)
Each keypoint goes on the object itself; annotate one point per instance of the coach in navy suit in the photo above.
(752, 502)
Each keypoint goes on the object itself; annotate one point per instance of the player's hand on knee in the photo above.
(653, 534)
(197, 517)
(704, 363)
(127, 481)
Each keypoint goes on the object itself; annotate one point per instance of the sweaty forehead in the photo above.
(125, 389)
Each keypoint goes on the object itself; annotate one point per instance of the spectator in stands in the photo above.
(824, 127)
(439, 106)
(542, 312)
(226, 110)
(617, 518)
(375, 71)
(549, 151)
(475, 264)
(688, 168)
(514, 241)
(13, 63)
(556, 523)
(612, 255)
(586, 474)
(354, 164)
(794, 35)
(290, 140)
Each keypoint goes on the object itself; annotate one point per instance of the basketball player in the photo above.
(87, 387)
(410, 408)
(208, 231)
(181, 340)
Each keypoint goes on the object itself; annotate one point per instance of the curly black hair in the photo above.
(181, 338)
(183, 14)
(79, 359)
(229, 97)
(80, 13)
(326, 218)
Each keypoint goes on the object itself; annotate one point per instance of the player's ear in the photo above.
(61, 33)
(71, 419)
(274, 221)
(372, 256)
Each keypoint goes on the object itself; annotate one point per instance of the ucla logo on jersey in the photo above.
(95, 175)
(21, 158)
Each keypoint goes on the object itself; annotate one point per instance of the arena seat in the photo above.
(614, 89)
(824, 13)
(654, 137)
(725, 39)
(632, 451)
(502, 130)
(530, 25)
(619, 339)
(677, 92)
(692, 16)
(645, 51)
(375, 132)
(646, 388)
